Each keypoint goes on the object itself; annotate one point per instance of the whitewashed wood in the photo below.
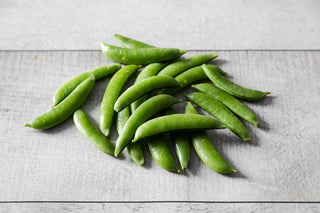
(193, 24)
(160, 207)
(280, 164)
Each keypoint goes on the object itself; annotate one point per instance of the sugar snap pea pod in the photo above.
(111, 95)
(134, 150)
(139, 55)
(72, 83)
(91, 133)
(229, 101)
(175, 123)
(184, 64)
(144, 112)
(160, 152)
(205, 149)
(131, 43)
(232, 88)
(145, 86)
(149, 71)
(220, 112)
(181, 144)
(63, 110)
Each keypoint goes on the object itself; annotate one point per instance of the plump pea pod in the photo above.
(72, 83)
(175, 123)
(229, 101)
(111, 95)
(186, 78)
(144, 112)
(232, 88)
(149, 71)
(161, 154)
(63, 110)
(205, 149)
(131, 43)
(181, 144)
(220, 112)
(184, 64)
(139, 55)
(145, 86)
(91, 133)
(134, 150)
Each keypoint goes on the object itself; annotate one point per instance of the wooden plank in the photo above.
(280, 164)
(195, 24)
(160, 207)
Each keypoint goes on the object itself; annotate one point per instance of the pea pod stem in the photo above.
(131, 43)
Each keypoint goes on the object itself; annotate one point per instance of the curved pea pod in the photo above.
(91, 133)
(145, 86)
(134, 150)
(131, 43)
(232, 88)
(181, 144)
(72, 83)
(205, 149)
(111, 95)
(161, 154)
(65, 109)
(220, 112)
(144, 112)
(184, 64)
(139, 55)
(175, 123)
(229, 101)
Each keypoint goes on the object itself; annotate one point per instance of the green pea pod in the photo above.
(145, 86)
(232, 88)
(131, 43)
(139, 55)
(111, 95)
(229, 101)
(181, 144)
(186, 78)
(220, 112)
(63, 110)
(205, 149)
(149, 71)
(134, 150)
(175, 123)
(72, 83)
(91, 133)
(144, 112)
(184, 64)
(161, 154)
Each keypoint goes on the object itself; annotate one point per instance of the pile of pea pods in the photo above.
(143, 116)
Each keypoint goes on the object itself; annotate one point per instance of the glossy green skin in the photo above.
(111, 95)
(161, 154)
(220, 112)
(229, 101)
(181, 144)
(205, 149)
(144, 112)
(175, 123)
(142, 88)
(66, 107)
(134, 150)
(91, 133)
(232, 88)
(184, 64)
(139, 55)
(149, 71)
(131, 43)
(72, 83)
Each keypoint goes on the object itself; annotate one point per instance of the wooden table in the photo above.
(266, 45)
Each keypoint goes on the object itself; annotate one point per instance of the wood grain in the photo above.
(280, 164)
